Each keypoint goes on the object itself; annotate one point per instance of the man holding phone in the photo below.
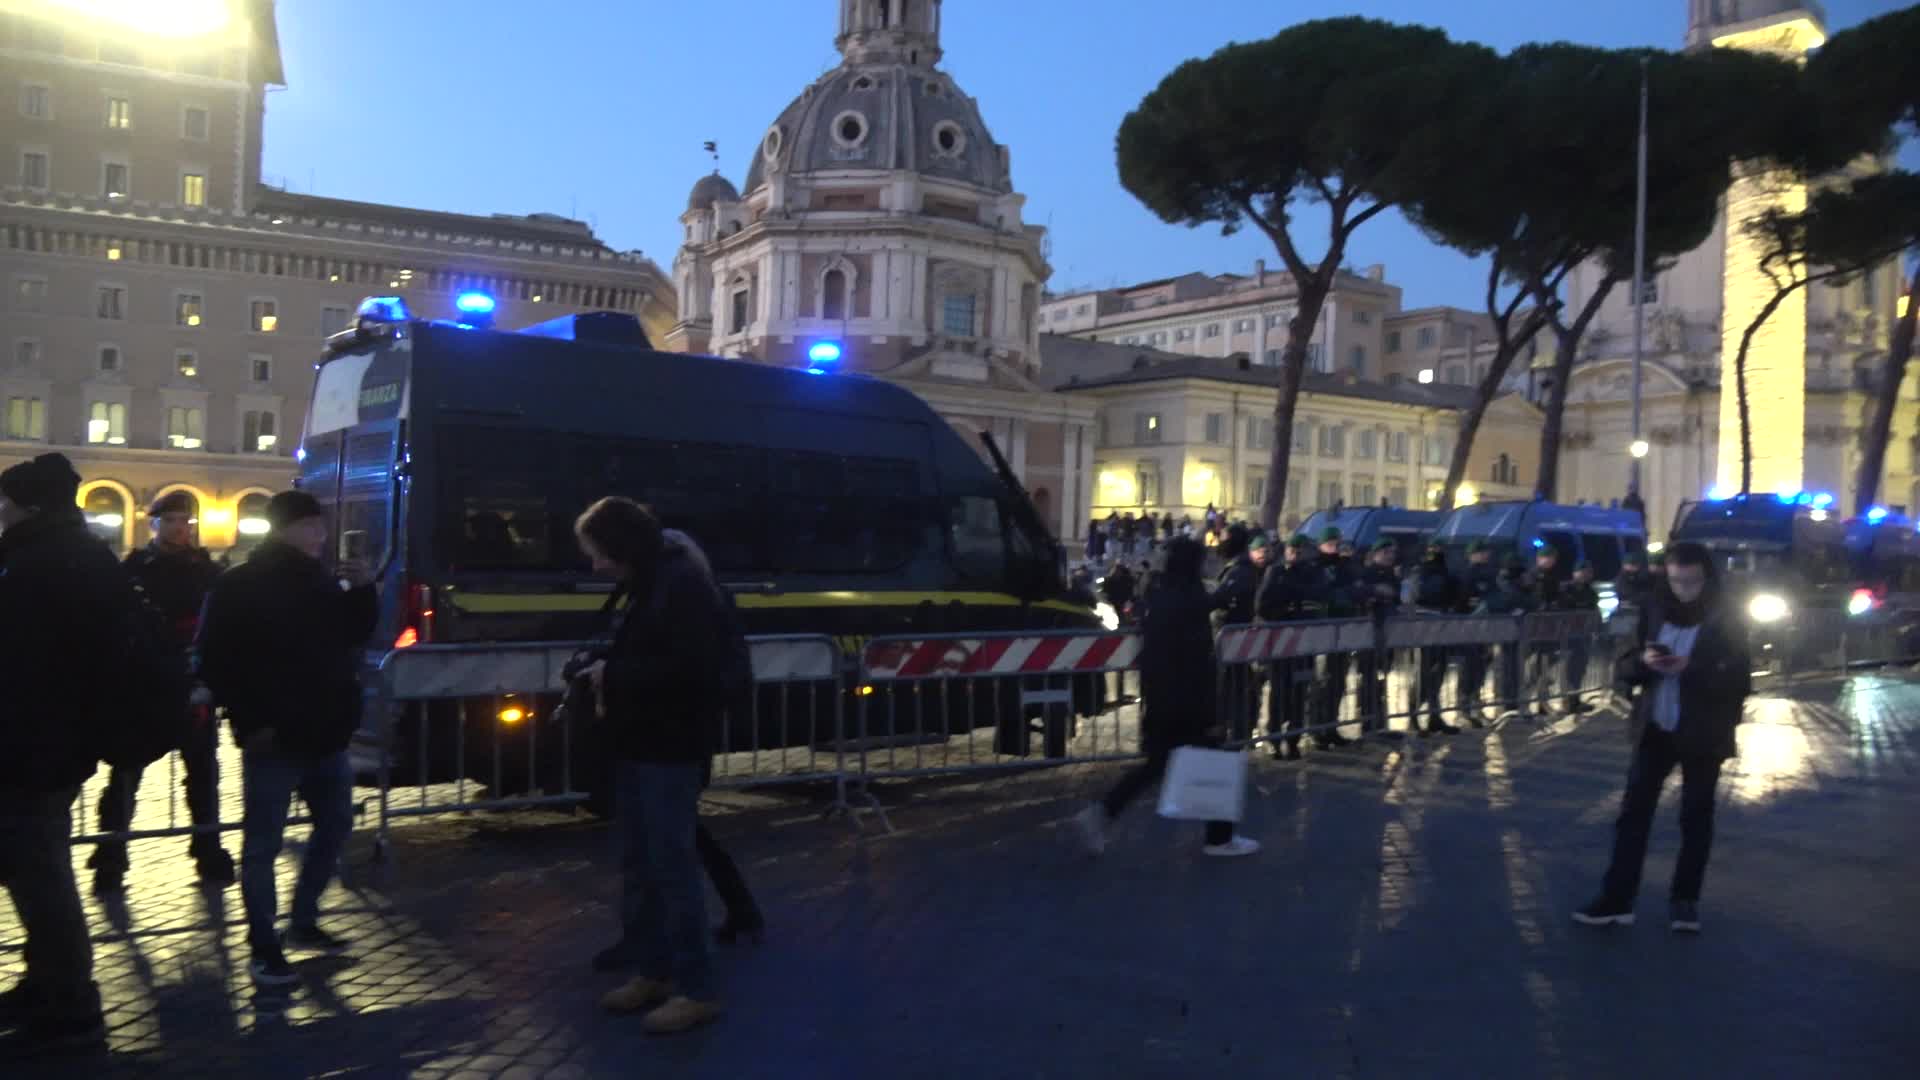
(1691, 673)
(279, 647)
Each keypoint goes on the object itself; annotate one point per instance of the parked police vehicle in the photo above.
(1793, 565)
(1365, 526)
(1602, 535)
(455, 458)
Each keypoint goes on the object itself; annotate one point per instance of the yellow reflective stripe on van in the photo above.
(515, 603)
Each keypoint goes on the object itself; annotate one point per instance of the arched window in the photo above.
(833, 294)
(107, 512)
(251, 523)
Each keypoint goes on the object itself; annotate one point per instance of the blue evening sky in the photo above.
(598, 108)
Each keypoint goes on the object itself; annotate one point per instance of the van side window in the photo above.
(1563, 542)
(1604, 551)
(978, 539)
(837, 515)
(366, 497)
(496, 508)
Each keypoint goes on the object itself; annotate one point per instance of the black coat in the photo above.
(1436, 590)
(1233, 594)
(1293, 593)
(1713, 688)
(176, 582)
(56, 582)
(1177, 671)
(663, 680)
(280, 648)
(1481, 582)
(1342, 584)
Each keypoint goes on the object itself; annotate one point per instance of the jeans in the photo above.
(199, 761)
(1145, 775)
(1653, 759)
(36, 862)
(268, 780)
(663, 907)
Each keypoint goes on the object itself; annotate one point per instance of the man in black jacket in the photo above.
(1340, 582)
(175, 573)
(1692, 673)
(1294, 590)
(1233, 599)
(1481, 583)
(56, 582)
(1435, 592)
(1380, 582)
(280, 649)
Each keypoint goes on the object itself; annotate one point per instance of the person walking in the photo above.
(56, 581)
(1691, 671)
(1177, 674)
(175, 573)
(279, 648)
(659, 693)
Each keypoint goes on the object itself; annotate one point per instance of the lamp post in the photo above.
(1639, 291)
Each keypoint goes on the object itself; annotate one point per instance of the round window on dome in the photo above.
(770, 146)
(850, 129)
(863, 83)
(949, 140)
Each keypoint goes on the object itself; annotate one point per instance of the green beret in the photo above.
(1386, 545)
(1330, 536)
(1301, 541)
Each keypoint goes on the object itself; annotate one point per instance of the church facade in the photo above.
(880, 216)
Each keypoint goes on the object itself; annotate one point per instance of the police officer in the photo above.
(1380, 583)
(1233, 605)
(1435, 592)
(175, 573)
(1635, 583)
(1482, 581)
(1294, 590)
(1579, 595)
(1549, 586)
(1512, 596)
(1340, 583)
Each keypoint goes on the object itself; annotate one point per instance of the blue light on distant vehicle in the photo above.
(1822, 501)
(822, 353)
(1876, 515)
(385, 309)
(1718, 493)
(474, 303)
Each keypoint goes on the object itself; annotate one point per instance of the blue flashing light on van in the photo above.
(385, 309)
(474, 303)
(821, 355)
(1876, 515)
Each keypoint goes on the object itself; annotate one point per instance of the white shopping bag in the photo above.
(1204, 785)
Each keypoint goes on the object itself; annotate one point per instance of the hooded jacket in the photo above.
(280, 645)
(56, 581)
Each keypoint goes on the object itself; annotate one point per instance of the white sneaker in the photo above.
(1092, 825)
(1234, 848)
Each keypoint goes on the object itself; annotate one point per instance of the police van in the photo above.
(454, 458)
(1365, 526)
(1602, 535)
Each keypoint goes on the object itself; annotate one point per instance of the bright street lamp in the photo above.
(1639, 448)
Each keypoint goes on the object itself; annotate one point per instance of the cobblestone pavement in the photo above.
(1408, 918)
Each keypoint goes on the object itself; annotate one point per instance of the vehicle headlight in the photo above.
(1860, 602)
(1768, 607)
(1109, 618)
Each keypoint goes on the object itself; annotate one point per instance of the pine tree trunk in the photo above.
(1470, 423)
(1569, 343)
(1293, 370)
(1740, 382)
(1873, 457)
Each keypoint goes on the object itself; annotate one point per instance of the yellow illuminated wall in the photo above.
(1777, 359)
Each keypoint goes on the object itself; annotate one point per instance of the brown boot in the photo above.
(680, 1014)
(637, 995)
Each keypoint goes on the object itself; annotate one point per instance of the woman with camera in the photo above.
(658, 695)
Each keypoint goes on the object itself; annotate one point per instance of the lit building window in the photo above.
(259, 434)
(106, 514)
(107, 423)
(188, 308)
(119, 113)
(27, 419)
(186, 428)
(187, 364)
(193, 189)
(265, 317)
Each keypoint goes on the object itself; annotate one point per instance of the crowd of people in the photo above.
(275, 642)
(1686, 668)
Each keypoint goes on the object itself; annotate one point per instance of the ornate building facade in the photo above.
(1812, 371)
(879, 214)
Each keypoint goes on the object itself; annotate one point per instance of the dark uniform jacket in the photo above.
(1342, 586)
(1292, 593)
(176, 582)
(1233, 595)
(58, 582)
(1435, 589)
(280, 647)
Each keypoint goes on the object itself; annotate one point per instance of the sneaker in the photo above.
(312, 939)
(1092, 825)
(680, 1014)
(56, 1038)
(1686, 916)
(637, 995)
(1604, 913)
(618, 956)
(215, 867)
(270, 968)
(1233, 849)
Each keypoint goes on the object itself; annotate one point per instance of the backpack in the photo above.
(144, 687)
(735, 677)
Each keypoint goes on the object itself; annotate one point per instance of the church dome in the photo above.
(710, 189)
(886, 107)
